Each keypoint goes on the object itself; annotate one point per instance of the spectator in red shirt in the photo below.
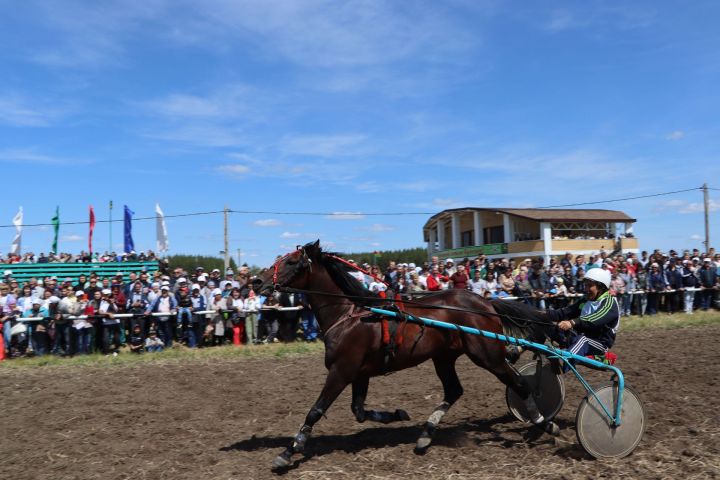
(434, 280)
(460, 278)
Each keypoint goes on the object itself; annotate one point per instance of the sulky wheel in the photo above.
(595, 431)
(550, 397)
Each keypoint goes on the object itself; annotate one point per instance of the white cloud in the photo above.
(375, 244)
(349, 34)
(697, 207)
(686, 207)
(674, 136)
(24, 155)
(289, 235)
(604, 16)
(205, 135)
(345, 216)
(20, 112)
(235, 169)
(563, 20)
(270, 222)
(378, 227)
(323, 145)
(72, 238)
(696, 237)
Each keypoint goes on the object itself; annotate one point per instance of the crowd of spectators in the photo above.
(82, 257)
(145, 313)
(645, 285)
(151, 312)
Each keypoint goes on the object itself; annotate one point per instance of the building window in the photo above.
(466, 239)
(494, 234)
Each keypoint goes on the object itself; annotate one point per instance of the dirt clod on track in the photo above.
(230, 418)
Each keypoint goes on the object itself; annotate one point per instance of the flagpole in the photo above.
(110, 223)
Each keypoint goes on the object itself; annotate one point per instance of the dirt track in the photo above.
(230, 418)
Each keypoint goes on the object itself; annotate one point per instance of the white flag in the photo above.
(17, 221)
(162, 238)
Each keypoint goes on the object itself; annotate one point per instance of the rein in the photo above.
(412, 303)
(361, 299)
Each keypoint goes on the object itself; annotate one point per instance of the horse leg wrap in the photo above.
(425, 438)
(299, 443)
(439, 412)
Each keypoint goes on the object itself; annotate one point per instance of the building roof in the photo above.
(548, 214)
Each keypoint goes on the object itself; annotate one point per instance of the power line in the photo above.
(347, 214)
(623, 199)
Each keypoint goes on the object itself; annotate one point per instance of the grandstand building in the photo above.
(527, 232)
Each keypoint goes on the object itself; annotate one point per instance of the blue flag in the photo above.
(129, 244)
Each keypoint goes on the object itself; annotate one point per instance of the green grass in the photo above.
(174, 355)
(282, 350)
(663, 320)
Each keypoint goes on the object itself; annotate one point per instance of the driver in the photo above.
(588, 327)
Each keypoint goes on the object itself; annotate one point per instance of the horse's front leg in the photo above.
(452, 389)
(335, 383)
(359, 393)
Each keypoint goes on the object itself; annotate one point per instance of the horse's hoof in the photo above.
(422, 445)
(280, 462)
(552, 428)
(402, 415)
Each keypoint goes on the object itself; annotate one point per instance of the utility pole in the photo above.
(227, 247)
(238, 256)
(706, 201)
(110, 249)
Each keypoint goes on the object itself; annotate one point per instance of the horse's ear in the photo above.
(313, 247)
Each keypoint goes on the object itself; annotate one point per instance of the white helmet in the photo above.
(599, 275)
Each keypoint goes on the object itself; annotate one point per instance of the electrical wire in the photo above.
(623, 199)
(346, 214)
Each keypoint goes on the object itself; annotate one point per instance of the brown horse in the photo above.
(354, 349)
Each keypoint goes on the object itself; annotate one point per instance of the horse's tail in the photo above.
(521, 321)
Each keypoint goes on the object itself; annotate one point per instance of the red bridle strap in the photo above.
(276, 267)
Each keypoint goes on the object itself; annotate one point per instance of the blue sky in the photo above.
(355, 106)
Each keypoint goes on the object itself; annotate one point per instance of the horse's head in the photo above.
(290, 270)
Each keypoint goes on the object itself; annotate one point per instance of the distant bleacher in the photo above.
(22, 272)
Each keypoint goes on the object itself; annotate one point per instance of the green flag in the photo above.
(56, 226)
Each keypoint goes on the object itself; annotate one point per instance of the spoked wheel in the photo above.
(595, 430)
(551, 394)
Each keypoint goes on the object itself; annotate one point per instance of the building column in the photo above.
(507, 228)
(455, 229)
(546, 235)
(478, 228)
(628, 228)
(441, 234)
(432, 238)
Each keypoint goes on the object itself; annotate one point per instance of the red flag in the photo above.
(92, 227)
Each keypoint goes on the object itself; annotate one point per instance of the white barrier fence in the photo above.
(207, 312)
(157, 314)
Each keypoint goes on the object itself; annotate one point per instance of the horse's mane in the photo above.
(340, 274)
(520, 320)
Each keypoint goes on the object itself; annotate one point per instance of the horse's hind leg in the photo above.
(445, 369)
(335, 383)
(359, 393)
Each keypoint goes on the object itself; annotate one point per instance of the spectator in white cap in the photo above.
(450, 267)
(166, 305)
(110, 325)
(216, 327)
(179, 283)
(37, 331)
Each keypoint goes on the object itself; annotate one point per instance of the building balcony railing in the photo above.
(537, 247)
